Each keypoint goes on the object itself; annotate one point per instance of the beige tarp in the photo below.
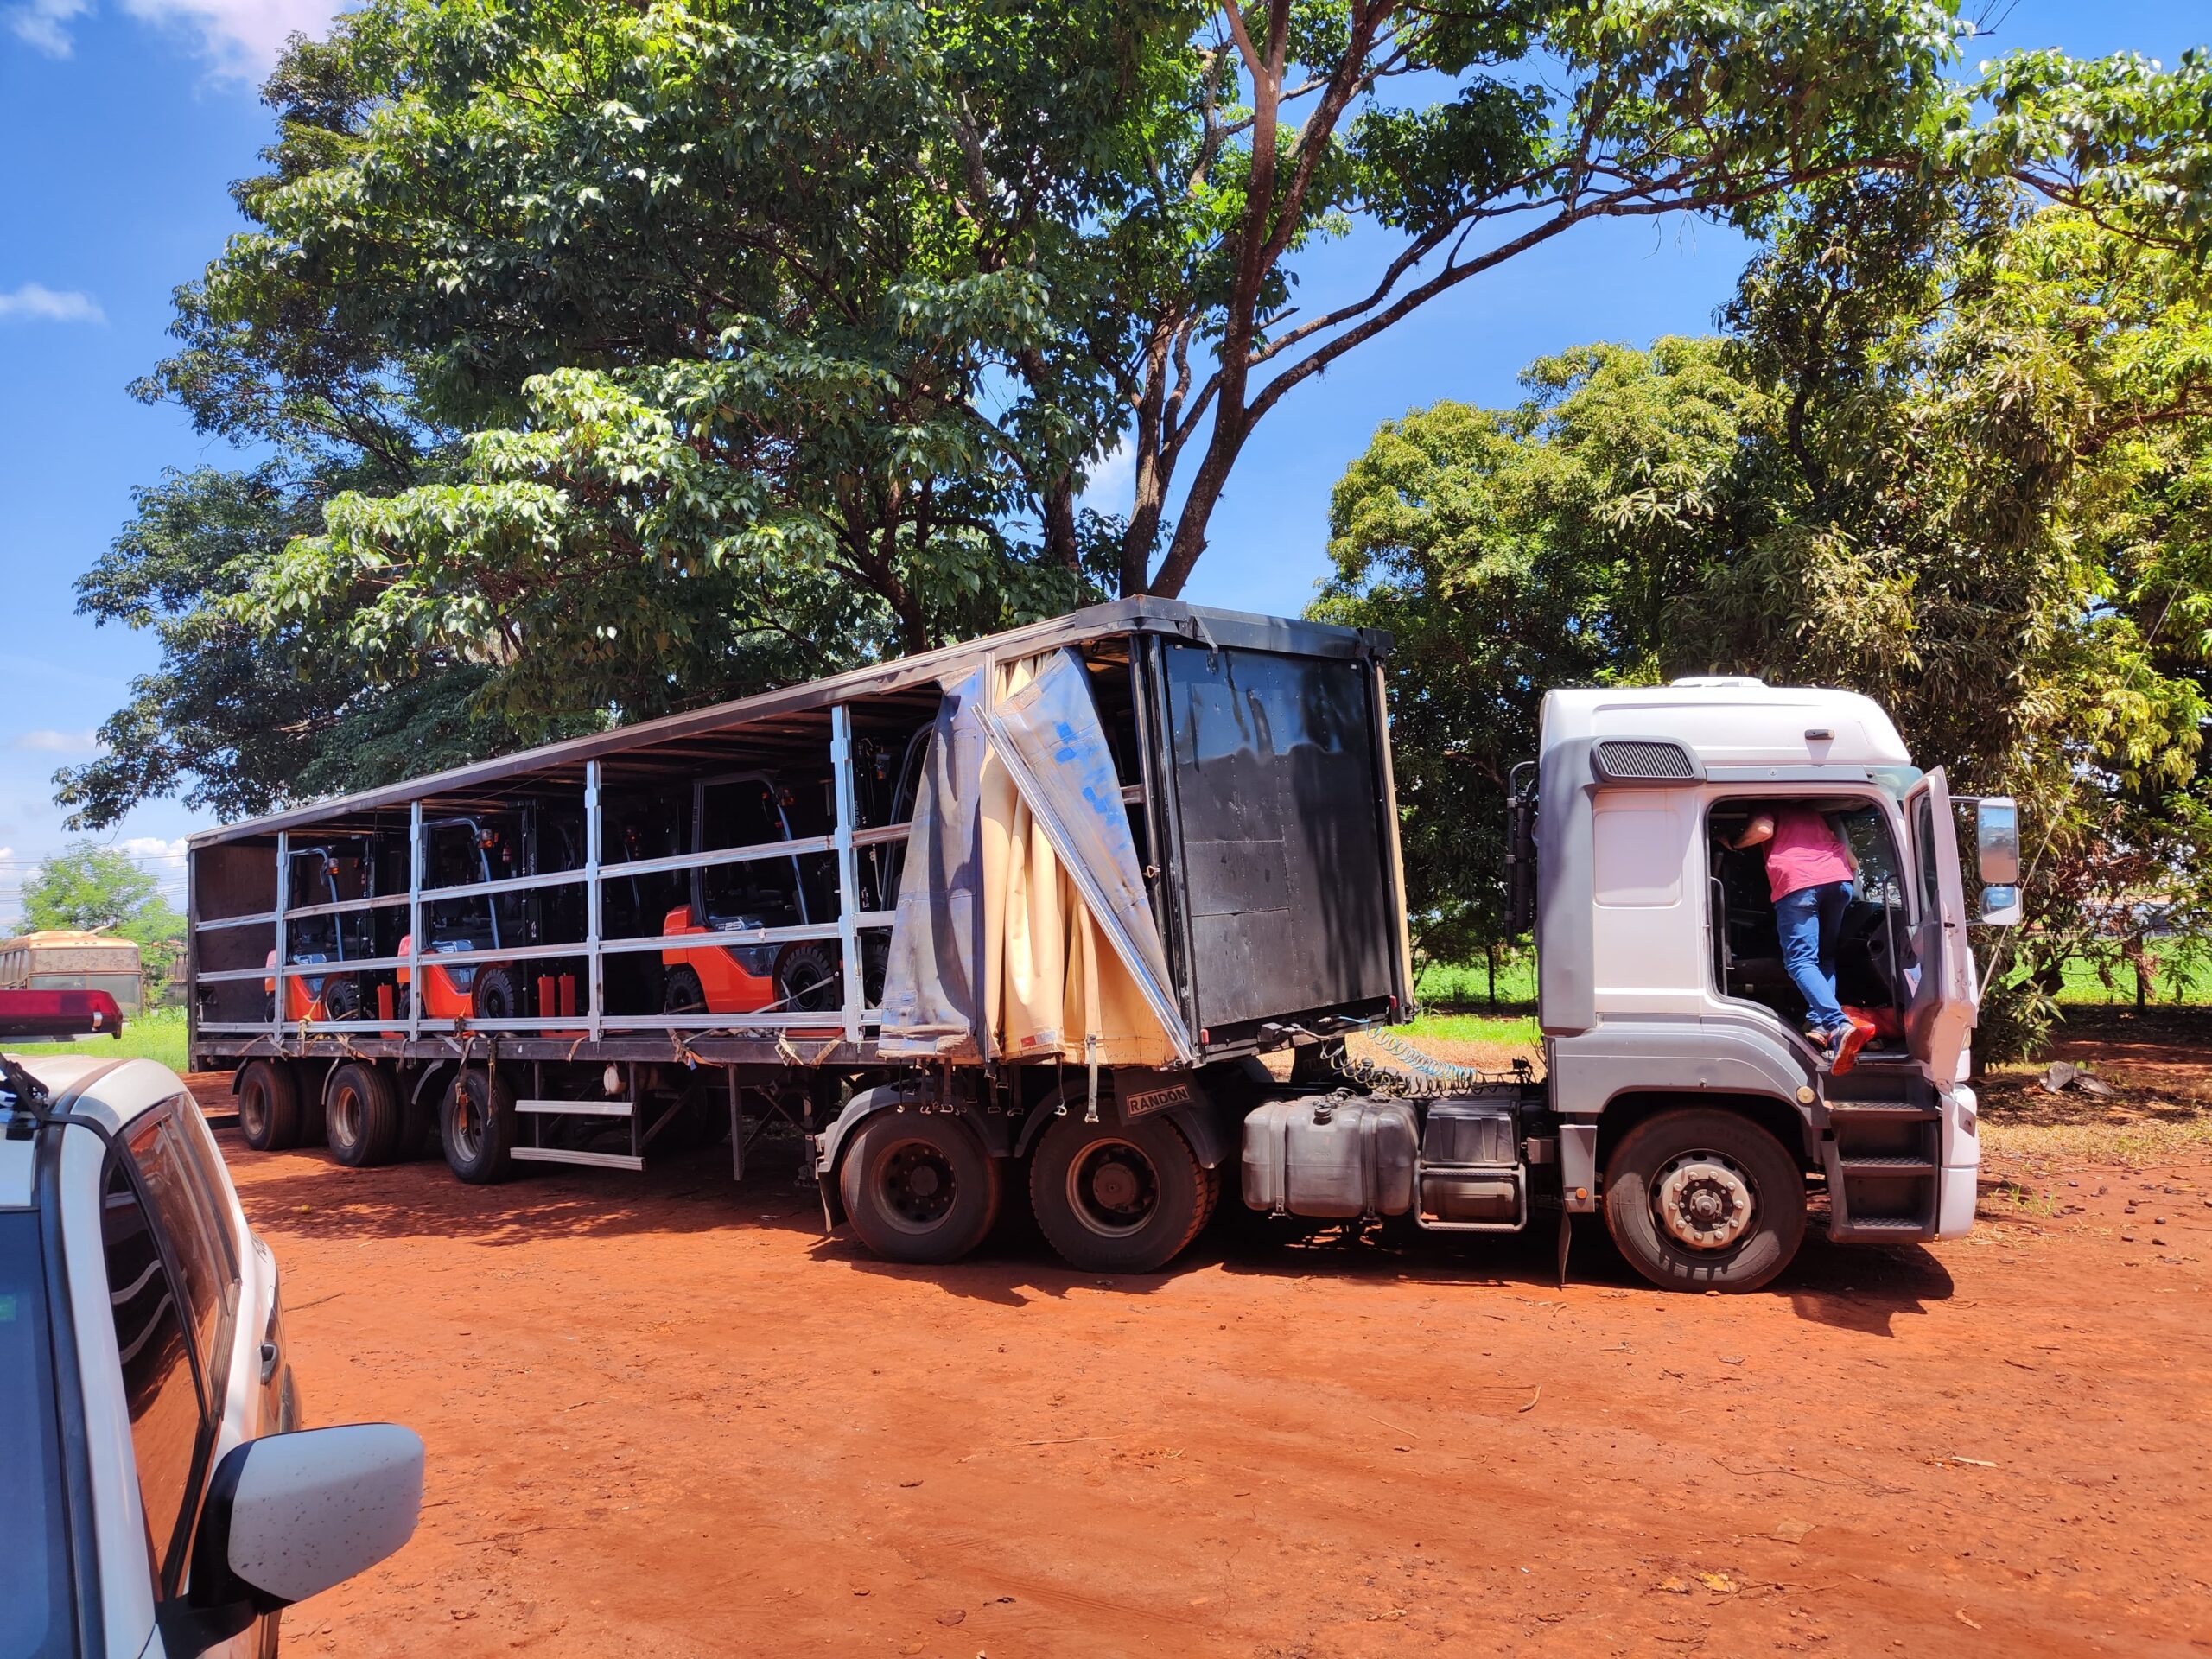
(1052, 984)
(1002, 946)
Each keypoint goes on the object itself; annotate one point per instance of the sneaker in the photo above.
(1857, 1031)
(1828, 1040)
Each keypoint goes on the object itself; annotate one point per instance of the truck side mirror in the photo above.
(2000, 906)
(1997, 841)
(288, 1515)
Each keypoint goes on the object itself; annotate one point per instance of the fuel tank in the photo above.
(1330, 1156)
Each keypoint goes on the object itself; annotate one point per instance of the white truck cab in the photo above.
(1676, 1051)
(160, 1497)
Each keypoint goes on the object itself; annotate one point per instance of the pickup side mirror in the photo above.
(1997, 841)
(288, 1515)
(2000, 906)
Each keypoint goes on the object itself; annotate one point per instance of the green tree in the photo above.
(1943, 458)
(629, 356)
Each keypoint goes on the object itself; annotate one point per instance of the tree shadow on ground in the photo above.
(307, 1193)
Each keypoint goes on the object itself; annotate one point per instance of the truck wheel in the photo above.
(1118, 1198)
(1699, 1199)
(269, 1106)
(920, 1186)
(477, 1127)
(361, 1106)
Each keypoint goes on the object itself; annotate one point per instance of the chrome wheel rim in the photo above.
(1704, 1201)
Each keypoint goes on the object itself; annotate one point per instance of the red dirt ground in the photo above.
(669, 1417)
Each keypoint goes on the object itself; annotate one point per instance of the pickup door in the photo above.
(1945, 1002)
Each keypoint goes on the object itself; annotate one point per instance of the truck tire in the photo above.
(476, 1127)
(918, 1186)
(361, 1106)
(1701, 1199)
(269, 1106)
(1118, 1198)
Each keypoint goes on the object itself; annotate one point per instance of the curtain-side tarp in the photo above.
(930, 981)
(1021, 859)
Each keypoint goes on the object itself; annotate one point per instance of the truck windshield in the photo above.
(35, 1616)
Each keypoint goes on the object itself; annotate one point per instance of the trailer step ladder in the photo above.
(535, 1111)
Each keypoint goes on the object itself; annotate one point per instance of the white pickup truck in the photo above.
(161, 1497)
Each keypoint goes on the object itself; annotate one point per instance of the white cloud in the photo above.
(152, 850)
(242, 36)
(44, 23)
(36, 302)
(1113, 483)
(48, 741)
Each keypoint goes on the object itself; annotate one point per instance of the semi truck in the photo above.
(1106, 916)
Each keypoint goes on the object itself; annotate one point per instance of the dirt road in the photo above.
(666, 1417)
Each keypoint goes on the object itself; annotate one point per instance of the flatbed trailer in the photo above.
(1249, 758)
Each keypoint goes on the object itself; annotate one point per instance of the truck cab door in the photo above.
(1945, 1001)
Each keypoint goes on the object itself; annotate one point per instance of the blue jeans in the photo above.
(1808, 920)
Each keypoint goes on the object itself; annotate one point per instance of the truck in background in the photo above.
(1185, 822)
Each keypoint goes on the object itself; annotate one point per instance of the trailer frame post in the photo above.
(276, 1002)
(191, 958)
(417, 992)
(736, 1128)
(595, 963)
(849, 868)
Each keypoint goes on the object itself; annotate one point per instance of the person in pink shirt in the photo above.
(1810, 872)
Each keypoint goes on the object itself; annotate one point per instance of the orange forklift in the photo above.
(321, 875)
(751, 809)
(472, 848)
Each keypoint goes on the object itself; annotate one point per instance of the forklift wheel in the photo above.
(807, 979)
(683, 993)
(1700, 1199)
(494, 997)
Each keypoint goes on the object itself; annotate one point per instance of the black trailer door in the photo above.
(1278, 792)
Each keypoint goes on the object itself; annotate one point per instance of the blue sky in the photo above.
(122, 122)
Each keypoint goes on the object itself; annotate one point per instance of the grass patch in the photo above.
(1518, 1029)
(2170, 983)
(2134, 1142)
(156, 1036)
(1466, 984)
